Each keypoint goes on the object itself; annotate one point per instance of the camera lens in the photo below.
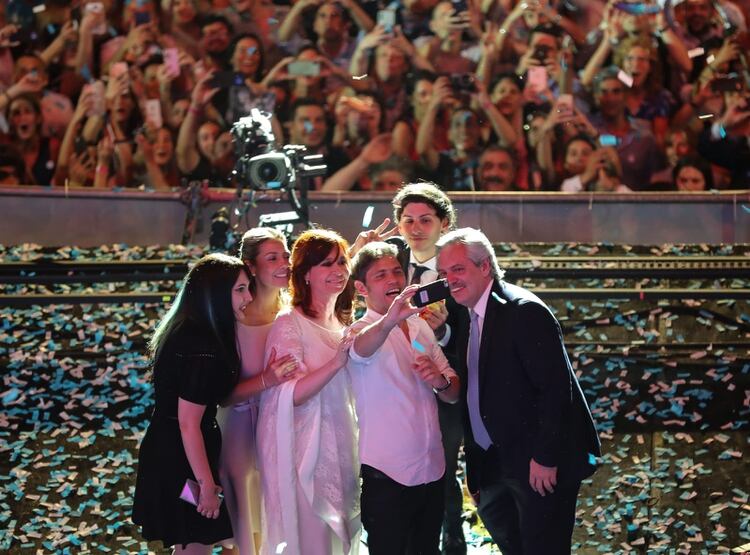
(268, 171)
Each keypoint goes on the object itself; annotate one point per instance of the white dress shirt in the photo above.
(481, 309)
(428, 276)
(399, 430)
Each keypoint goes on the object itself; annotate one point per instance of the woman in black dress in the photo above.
(196, 364)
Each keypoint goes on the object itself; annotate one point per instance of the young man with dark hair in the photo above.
(423, 213)
(397, 368)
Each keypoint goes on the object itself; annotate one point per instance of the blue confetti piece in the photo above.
(418, 346)
(746, 208)
(11, 395)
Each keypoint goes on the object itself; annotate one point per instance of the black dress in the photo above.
(191, 368)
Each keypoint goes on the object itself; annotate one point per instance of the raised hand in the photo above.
(401, 308)
(371, 235)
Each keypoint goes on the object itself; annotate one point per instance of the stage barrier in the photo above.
(86, 217)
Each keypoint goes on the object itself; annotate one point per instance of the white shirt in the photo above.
(428, 276)
(399, 430)
(481, 309)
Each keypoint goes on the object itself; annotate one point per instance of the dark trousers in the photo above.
(400, 519)
(452, 430)
(520, 521)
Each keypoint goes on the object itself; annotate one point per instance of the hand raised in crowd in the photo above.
(280, 71)
(32, 82)
(81, 167)
(372, 235)
(117, 87)
(6, 36)
(280, 370)
(442, 93)
(92, 21)
(736, 118)
(203, 92)
(105, 148)
(378, 149)
(728, 52)
(85, 105)
(145, 146)
(374, 38)
(612, 23)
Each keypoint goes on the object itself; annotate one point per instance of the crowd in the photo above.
(336, 421)
(485, 95)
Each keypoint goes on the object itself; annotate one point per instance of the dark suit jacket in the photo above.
(529, 397)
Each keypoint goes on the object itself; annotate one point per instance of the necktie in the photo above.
(418, 271)
(472, 393)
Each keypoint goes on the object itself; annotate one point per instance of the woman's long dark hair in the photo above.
(205, 301)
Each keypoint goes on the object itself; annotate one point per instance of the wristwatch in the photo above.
(446, 386)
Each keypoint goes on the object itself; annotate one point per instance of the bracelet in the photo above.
(446, 386)
(194, 110)
(102, 168)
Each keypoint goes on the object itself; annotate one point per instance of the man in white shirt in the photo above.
(395, 365)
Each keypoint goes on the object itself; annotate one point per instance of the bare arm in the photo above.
(426, 133)
(276, 371)
(310, 385)
(360, 17)
(293, 19)
(189, 416)
(376, 151)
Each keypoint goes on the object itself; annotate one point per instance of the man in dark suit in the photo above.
(529, 436)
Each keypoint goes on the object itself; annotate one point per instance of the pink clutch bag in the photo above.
(190, 492)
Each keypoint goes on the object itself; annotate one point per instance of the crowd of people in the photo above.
(338, 419)
(485, 95)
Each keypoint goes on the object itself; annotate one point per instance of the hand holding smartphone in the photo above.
(431, 293)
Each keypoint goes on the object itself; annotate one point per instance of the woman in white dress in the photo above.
(307, 437)
(265, 253)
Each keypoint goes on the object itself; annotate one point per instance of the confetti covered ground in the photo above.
(668, 382)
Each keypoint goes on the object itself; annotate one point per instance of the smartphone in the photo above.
(608, 140)
(152, 107)
(304, 68)
(142, 18)
(98, 107)
(727, 83)
(387, 19)
(97, 7)
(565, 105)
(537, 78)
(431, 293)
(172, 61)
(459, 6)
(638, 8)
(225, 79)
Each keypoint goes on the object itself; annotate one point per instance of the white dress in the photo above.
(308, 454)
(238, 467)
